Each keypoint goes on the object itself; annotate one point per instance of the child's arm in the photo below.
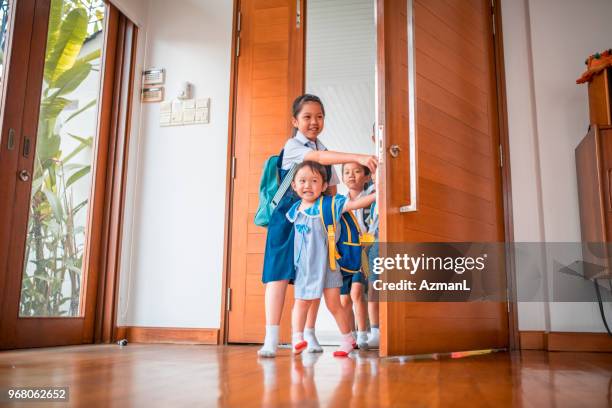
(362, 202)
(327, 157)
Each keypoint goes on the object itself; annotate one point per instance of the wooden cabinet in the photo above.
(594, 169)
(600, 98)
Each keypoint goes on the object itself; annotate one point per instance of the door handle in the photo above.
(24, 175)
(394, 150)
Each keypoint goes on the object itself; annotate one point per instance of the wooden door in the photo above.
(459, 187)
(269, 76)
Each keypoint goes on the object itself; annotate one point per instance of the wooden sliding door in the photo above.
(68, 75)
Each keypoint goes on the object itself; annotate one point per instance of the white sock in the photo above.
(346, 345)
(270, 343)
(374, 338)
(313, 343)
(362, 339)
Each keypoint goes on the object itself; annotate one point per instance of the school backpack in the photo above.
(271, 189)
(346, 251)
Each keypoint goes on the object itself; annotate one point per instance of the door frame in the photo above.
(513, 333)
(504, 139)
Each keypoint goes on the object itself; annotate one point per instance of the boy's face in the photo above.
(308, 185)
(310, 120)
(353, 176)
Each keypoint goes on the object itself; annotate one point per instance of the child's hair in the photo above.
(299, 102)
(366, 169)
(314, 167)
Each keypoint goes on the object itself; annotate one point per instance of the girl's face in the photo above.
(310, 120)
(353, 176)
(308, 185)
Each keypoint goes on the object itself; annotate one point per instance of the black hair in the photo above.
(299, 102)
(314, 166)
(366, 169)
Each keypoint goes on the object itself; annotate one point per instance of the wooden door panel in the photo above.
(262, 107)
(435, 119)
(459, 181)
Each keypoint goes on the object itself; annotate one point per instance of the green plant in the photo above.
(54, 249)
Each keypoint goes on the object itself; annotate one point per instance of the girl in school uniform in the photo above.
(308, 116)
(314, 277)
(355, 177)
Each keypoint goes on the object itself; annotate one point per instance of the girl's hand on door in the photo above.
(369, 161)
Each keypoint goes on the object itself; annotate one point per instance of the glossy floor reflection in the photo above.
(181, 375)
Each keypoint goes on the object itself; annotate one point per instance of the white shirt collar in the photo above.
(305, 141)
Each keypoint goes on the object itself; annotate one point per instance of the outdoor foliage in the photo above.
(54, 247)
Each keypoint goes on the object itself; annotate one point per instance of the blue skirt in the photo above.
(278, 258)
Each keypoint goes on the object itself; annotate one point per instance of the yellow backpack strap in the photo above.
(331, 233)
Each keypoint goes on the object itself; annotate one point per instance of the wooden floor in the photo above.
(186, 376)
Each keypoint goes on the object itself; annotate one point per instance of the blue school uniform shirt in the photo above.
(297, 148)
(310, 251)
(361, 219)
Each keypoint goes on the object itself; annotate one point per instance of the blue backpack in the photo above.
(273, 185)
(271, 189)
(346, 252)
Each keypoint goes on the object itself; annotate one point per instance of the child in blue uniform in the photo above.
(314, 277)
(355, 177)
(308, 118)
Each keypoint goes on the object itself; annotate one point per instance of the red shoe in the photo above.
(340, 353)
(301, 346)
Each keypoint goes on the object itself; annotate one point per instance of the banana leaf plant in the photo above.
(54, 244)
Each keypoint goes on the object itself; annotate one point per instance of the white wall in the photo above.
(545, 45)
(173, 246)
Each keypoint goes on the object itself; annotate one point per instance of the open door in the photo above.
(436, 83)
(439, 107)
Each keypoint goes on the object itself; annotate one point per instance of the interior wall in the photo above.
(172, 259)
(545, 45)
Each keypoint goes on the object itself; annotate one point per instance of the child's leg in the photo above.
(347, 305)
(274, 299)
(374, 338)
(309, 331)
(345, 299)
(298, 320)
(360, 313)
(332, 301)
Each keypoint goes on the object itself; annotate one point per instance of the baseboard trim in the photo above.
(560, 341)
(533, 340)
(566, 341)
(172, 335)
